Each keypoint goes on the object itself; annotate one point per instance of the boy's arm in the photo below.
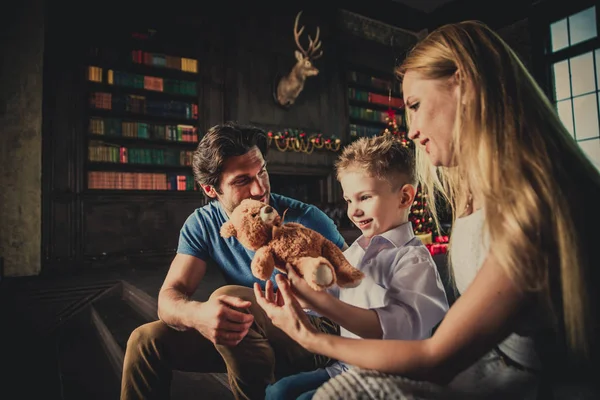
(416, 302)
(360, 321)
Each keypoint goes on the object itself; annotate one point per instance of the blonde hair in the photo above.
(383, 157)
(511, 150)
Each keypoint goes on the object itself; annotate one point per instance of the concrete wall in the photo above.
(22, 44)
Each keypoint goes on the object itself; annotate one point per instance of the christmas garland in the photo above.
(300, 141)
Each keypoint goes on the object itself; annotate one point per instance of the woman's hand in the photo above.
(284, 310)
(307, 296)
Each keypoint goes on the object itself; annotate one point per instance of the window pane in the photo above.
(582, 74)
(592, 149)
(565, 112)
(562, 85)
(586, 116)
(582, 25)
(559, 35)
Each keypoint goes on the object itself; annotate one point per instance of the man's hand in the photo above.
(306, 296)
(221, 323)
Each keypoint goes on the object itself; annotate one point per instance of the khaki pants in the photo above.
(154, 350)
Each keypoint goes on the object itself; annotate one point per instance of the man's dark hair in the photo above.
(221, 142)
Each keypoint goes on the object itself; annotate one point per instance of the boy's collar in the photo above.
(398, 236)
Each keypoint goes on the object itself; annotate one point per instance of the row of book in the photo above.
(143, 130)
(146, 82)
(357, 131)
(141, 105)
(372, 115)
(363, 95)
(165, 61)
(368, 80)
(102, 152)
(140, 181)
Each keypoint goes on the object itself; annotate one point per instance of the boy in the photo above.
(402, 296)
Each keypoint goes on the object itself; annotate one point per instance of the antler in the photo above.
(313, 45)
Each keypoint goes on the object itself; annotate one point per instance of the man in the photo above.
(228, 332)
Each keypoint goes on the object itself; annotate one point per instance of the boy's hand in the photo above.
(306, 296)
(283, 309)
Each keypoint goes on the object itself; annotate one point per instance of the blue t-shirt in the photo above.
(200, 236)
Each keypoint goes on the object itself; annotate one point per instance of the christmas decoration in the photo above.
(392, 128)
(419, 215)
(300, 141)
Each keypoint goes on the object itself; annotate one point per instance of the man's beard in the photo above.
(230, 206)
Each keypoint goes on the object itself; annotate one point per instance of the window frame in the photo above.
(546, 13)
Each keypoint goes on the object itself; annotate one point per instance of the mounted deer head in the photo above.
(290, 86)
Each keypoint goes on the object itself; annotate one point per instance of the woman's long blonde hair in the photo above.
(512, 152)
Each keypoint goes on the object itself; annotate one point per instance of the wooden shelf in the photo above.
(151, 94)
(137, 117)
(378, 106)
(373, 89)
(125, 140)
(128, 167)
(368, 122)
(144, 193)
(144, 69)
(158, 56)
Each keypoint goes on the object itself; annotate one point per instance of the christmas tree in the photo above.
(419, 215)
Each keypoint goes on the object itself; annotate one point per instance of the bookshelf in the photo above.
(370, 95)
(142, 117)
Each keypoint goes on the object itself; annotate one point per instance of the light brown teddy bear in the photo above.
(259, 227)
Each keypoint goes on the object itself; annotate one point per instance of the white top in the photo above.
(401, 284)
(470, 246)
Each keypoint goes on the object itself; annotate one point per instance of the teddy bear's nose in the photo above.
(267, 214)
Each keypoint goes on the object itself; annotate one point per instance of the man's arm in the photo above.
(215, 319)
(174, 306)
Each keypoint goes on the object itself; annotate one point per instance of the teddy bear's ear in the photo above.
(228, 230)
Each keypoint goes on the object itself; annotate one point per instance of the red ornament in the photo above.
(391, 113)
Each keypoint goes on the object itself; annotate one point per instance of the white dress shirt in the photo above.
(401, 285)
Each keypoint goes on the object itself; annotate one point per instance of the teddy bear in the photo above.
(260, 228)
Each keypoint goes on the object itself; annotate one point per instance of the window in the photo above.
(574, 61)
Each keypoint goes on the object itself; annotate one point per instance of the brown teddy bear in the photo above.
(259, 227)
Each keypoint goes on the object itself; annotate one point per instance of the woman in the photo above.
(525, 200)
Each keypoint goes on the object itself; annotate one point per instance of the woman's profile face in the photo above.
(431, 105)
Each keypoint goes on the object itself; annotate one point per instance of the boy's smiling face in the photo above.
(373, 205)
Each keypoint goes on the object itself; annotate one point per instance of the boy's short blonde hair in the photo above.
(383, 157)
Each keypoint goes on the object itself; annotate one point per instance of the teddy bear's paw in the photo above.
(323, 275)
